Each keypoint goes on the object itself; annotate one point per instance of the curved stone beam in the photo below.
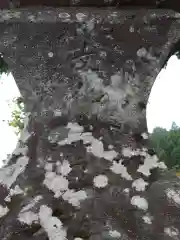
(82, 168)
(161, 4)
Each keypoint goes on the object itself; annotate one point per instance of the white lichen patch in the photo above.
(64, 15)
(177, 15)
(57, 184)
(57, 113)
(75, 127)
(28, 217)
(9, 174)
(173, 195)
(25, 135)
(110, 147)
(171, 231)
(114, 234)
(150, 162)
(3, 211)
(32, 18)
(147, 219)
(96, 148)
(119, 168)
(139, 202)
(87, 137)
(8, 15)
(131, 29)
(127, 152)
(142, 52)
(144, 149)
(64, 169)
(139, 184)
(114, 97)
(31, 204)
(103, 54)
(50, 54)
(48, 167)
(116, 80)
(100, 181)
(162, 165)
(8, 199)
(74, 198)
(91, 127)
(126, 190)
(81, 16)
(49, 159)
(22, 147)
(52, 225)
(16, 191)
(110, 155)
(74, 134)
(145, 135)
(138, 152)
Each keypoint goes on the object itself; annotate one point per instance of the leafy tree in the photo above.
(18, 115)
(167, 145)
(3, 66)
(17, 121)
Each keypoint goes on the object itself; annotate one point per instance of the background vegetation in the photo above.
(167, 145)
(18, 114)
(3, 66)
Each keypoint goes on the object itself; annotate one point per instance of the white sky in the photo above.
(8, 139)
(162, 108)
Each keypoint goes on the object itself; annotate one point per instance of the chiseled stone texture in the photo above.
(82, 168)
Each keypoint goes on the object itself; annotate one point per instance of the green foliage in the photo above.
(167, 145)
(17, 121)
(3, 66)
(178, 54)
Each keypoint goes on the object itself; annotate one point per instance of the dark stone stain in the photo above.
(142, 105)
(151, 152)
(137, 137)
(57, 122)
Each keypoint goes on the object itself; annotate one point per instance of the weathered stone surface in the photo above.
(82, 167)
(161, 4)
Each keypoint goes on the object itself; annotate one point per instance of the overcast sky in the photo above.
(162, 110)
(163, 107)
(8, 139)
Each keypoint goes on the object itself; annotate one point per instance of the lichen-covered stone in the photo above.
(81, 169)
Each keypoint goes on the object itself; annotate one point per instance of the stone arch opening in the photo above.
(163, 118)
(12, 112)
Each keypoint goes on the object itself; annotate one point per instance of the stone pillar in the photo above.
(82, 168)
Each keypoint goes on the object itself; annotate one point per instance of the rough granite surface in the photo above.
(82, 168)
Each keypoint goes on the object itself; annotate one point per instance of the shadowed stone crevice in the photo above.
(83, 168)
